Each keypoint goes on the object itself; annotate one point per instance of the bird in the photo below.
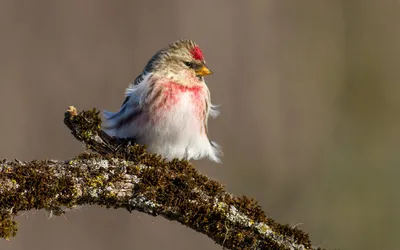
(167, 106)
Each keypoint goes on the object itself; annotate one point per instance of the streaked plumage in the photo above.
(168, 105)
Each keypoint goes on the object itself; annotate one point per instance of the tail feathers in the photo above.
(119, 124)
(112, 118)
(110, 122)
(109, 115)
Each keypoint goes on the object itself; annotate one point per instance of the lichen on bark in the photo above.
(121, 174)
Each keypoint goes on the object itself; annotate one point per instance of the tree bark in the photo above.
(121, 174)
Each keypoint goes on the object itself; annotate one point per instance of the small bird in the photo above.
(167, 107)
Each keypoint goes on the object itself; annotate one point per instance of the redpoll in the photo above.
(167, 107)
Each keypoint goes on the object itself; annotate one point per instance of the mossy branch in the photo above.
(122, 175)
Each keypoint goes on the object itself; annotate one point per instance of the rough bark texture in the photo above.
(122, 175)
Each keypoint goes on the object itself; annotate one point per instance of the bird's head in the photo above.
(181, 61)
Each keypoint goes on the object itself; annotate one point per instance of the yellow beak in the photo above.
(203, 71)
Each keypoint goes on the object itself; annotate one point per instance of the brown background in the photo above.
(310, 121)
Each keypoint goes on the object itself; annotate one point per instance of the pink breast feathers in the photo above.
(172, 93)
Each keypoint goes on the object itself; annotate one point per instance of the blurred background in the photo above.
(309, 121)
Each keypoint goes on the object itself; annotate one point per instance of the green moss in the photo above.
(8, 227)
(169, 184)
(95, 182)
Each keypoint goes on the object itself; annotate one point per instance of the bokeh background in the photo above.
(309, 121)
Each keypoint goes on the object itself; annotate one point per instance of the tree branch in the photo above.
(124, 175)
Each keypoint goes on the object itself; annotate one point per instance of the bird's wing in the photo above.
(117, 124)
(138, 80)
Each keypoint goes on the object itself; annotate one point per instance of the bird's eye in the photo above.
(189, 64)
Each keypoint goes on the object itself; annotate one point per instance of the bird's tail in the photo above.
(110, 122)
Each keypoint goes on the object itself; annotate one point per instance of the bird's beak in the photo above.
(203, 70)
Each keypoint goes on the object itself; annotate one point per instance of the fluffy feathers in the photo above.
(168, 105)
